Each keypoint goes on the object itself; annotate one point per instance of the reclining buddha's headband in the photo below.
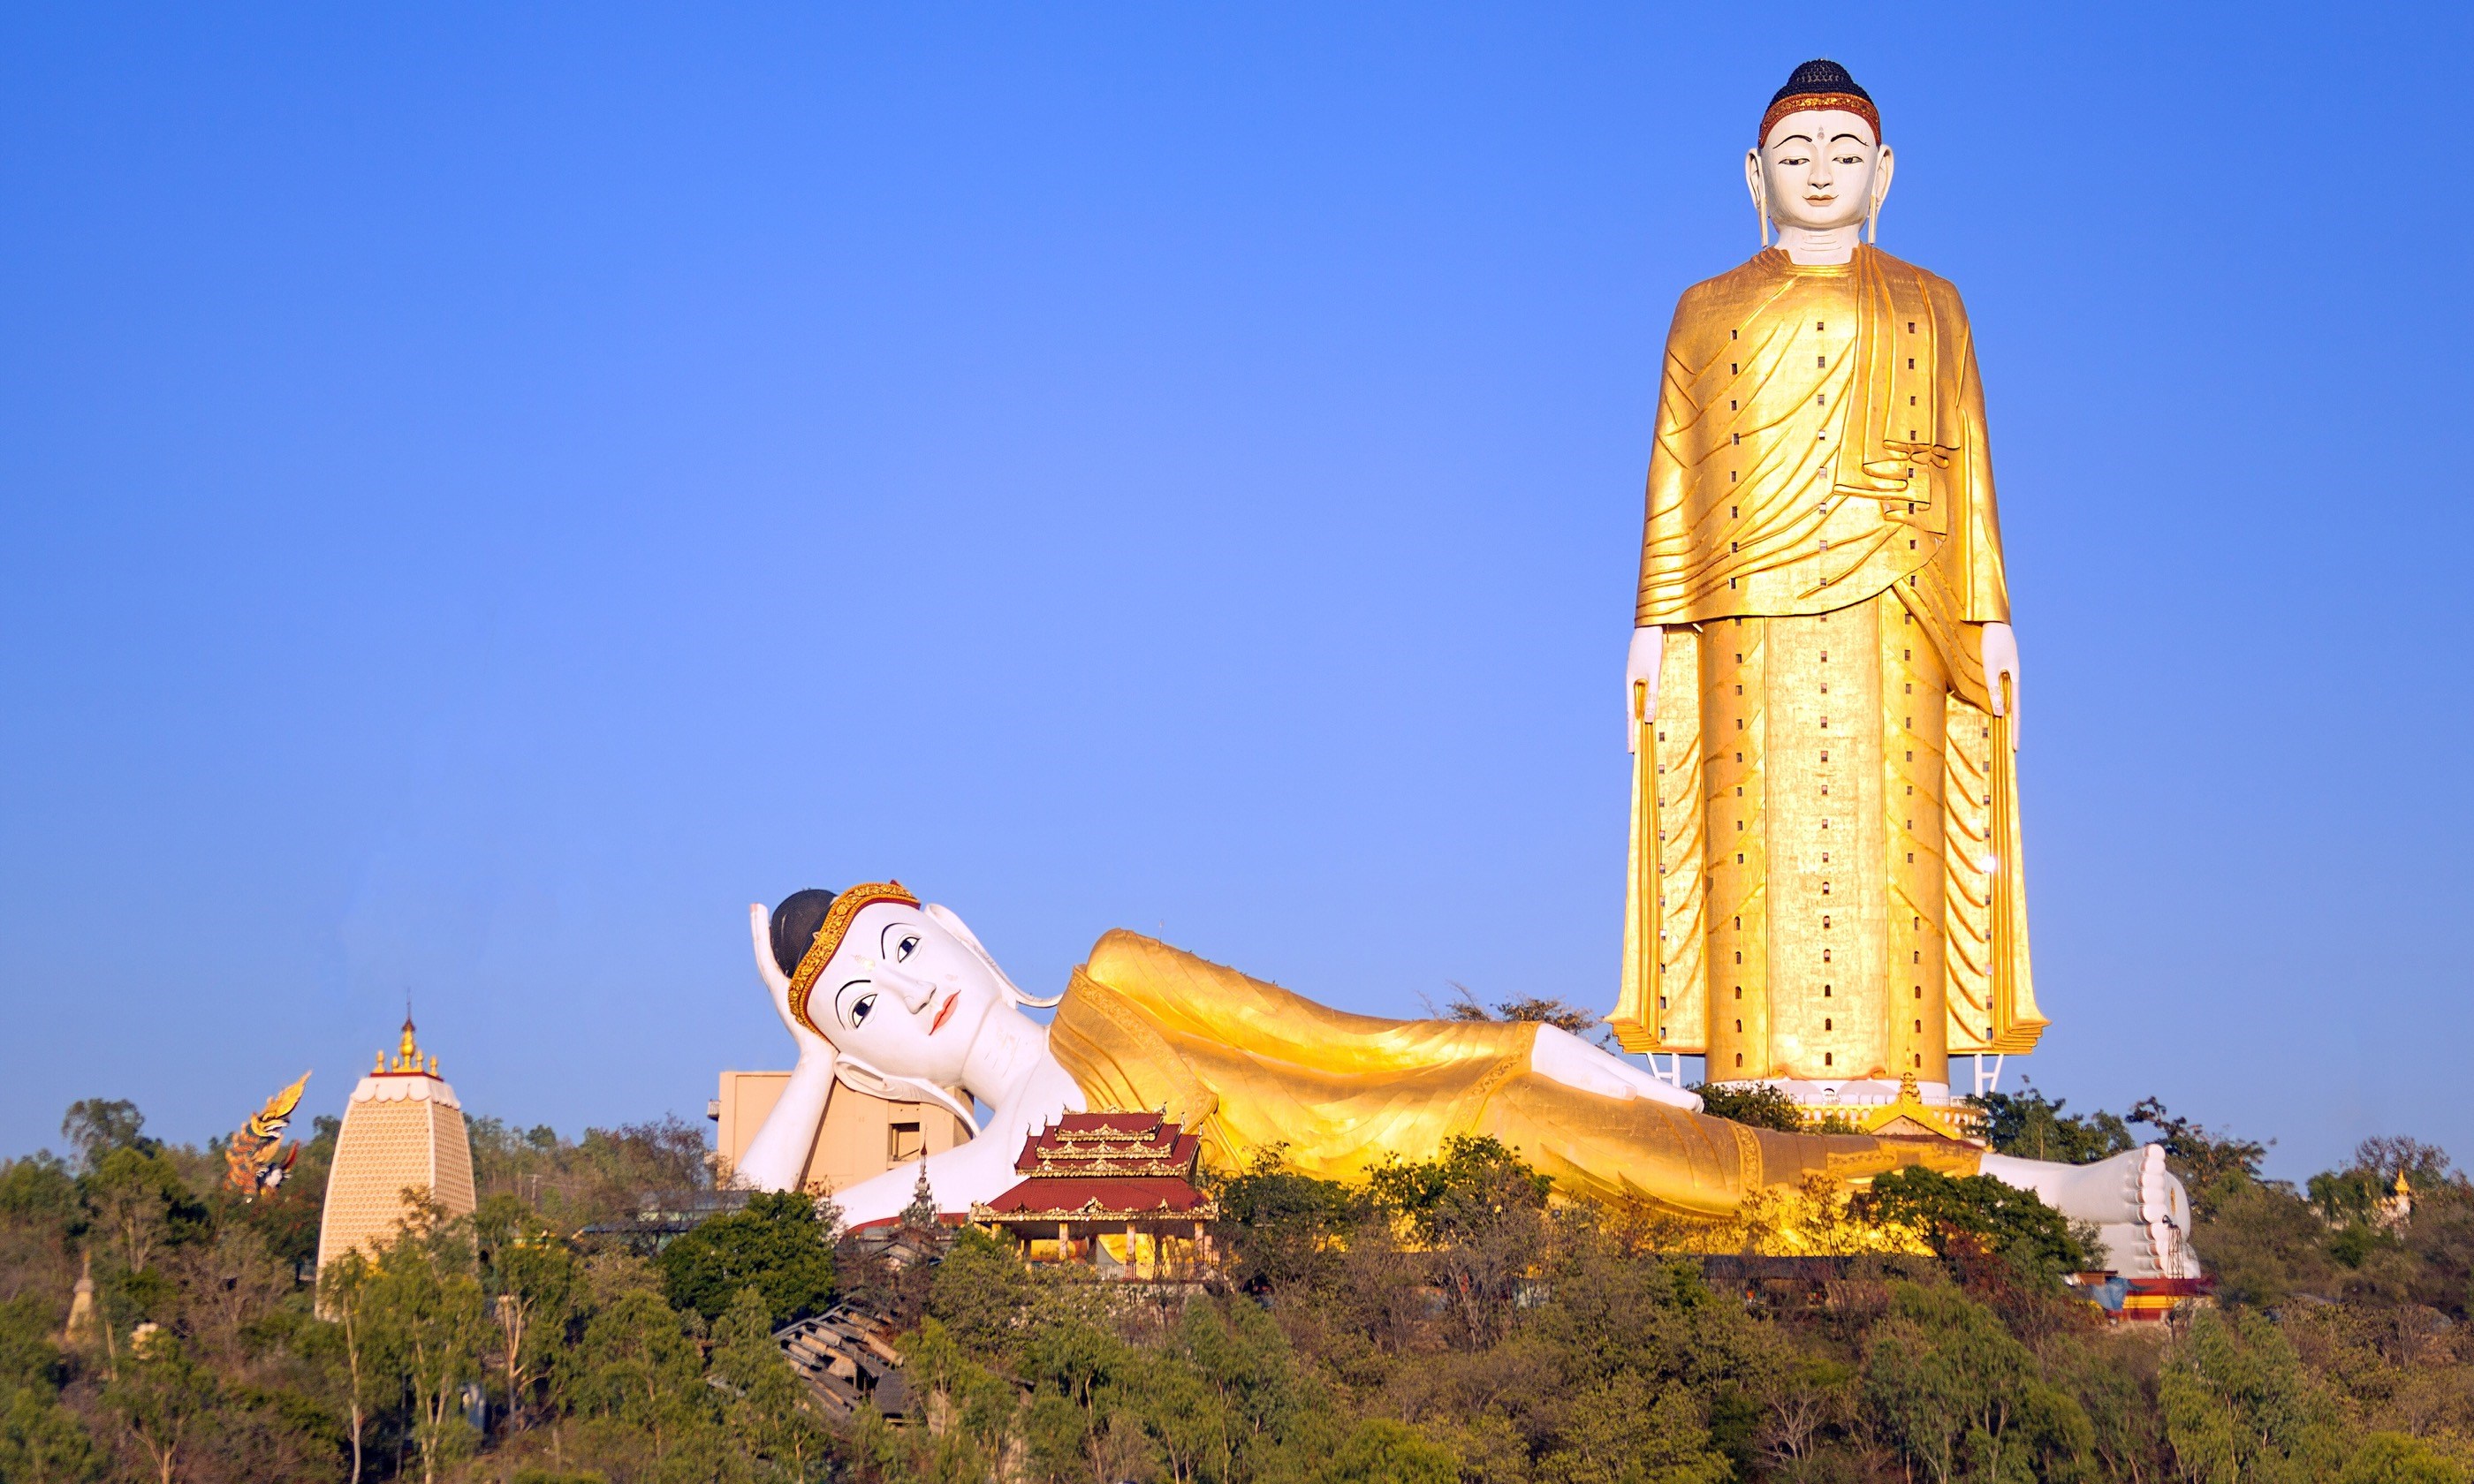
(829, 939)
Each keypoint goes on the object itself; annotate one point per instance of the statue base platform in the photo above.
(1904, 1108)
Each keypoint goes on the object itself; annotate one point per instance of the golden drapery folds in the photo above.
(1825, 879)
(1253, 1067)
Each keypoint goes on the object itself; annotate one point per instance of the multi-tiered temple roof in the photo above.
(1104, 1168)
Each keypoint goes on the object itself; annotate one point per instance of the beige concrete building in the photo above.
(858, 1135)
(403, 1129)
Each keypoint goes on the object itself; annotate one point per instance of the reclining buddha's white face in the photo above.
(904, 995)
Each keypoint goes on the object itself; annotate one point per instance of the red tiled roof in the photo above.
(1110, 1121)
(1119, 1195)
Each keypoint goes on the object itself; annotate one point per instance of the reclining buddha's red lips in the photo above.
(944, 1010)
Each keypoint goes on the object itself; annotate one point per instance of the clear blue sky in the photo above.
(490, 491)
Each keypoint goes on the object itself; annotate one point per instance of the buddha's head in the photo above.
(901, 990)
(1820, 164)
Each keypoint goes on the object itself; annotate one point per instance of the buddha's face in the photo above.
(1820, 171)
(903, 994)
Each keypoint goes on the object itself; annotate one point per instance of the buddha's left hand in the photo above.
(2001, 654)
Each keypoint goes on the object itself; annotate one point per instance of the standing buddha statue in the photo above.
(1822, 690)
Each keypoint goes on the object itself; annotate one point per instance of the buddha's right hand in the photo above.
(810, 1043)
(1640, 681)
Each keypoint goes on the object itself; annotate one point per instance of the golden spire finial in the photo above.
(408, 1059)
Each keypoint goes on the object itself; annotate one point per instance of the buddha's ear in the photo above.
(948, 919)
(1882, 171)
(1755, 182)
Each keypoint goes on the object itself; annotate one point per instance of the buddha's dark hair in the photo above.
(1820, 75)
(794, 925)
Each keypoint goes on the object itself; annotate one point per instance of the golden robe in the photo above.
(1252, 1066)
(1824, 876)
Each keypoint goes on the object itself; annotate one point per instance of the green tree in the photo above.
(2262, 1243)
(776, 1244)
(139, 1205)
(1756, 1104)
(1235, 1356)
(2239, 1406)
(2033, 1126)
(1380, 1451)
(531, 1280)
(2208, 1161)
(40, 1441)
(2394, 1458)
(159, 1396)
(1983, 1211)
(343, 1295)
(96, 1126)
(2112, 1374)
(636, 1364)
(1629, 1429)
(1478, 1214)
(43, 1442)
(1760, 1106)
(1544, 1010)
(766, 1416)
(1279, 1228)
(38, 1190)
(424, 1300)
(1961, 1397)
(1082, 1371)
(981, 1293)
(968, 1408)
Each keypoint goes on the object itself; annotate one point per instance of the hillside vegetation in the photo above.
(1442, 1321)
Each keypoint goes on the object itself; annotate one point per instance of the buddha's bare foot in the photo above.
(2137, 1206)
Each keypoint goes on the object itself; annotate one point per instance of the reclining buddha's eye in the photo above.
(902, 950)
(859, 1008)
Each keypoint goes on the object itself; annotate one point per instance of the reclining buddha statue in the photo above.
(898, 998)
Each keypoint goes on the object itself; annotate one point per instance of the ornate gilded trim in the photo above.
(829, 939)
(1809, 103)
